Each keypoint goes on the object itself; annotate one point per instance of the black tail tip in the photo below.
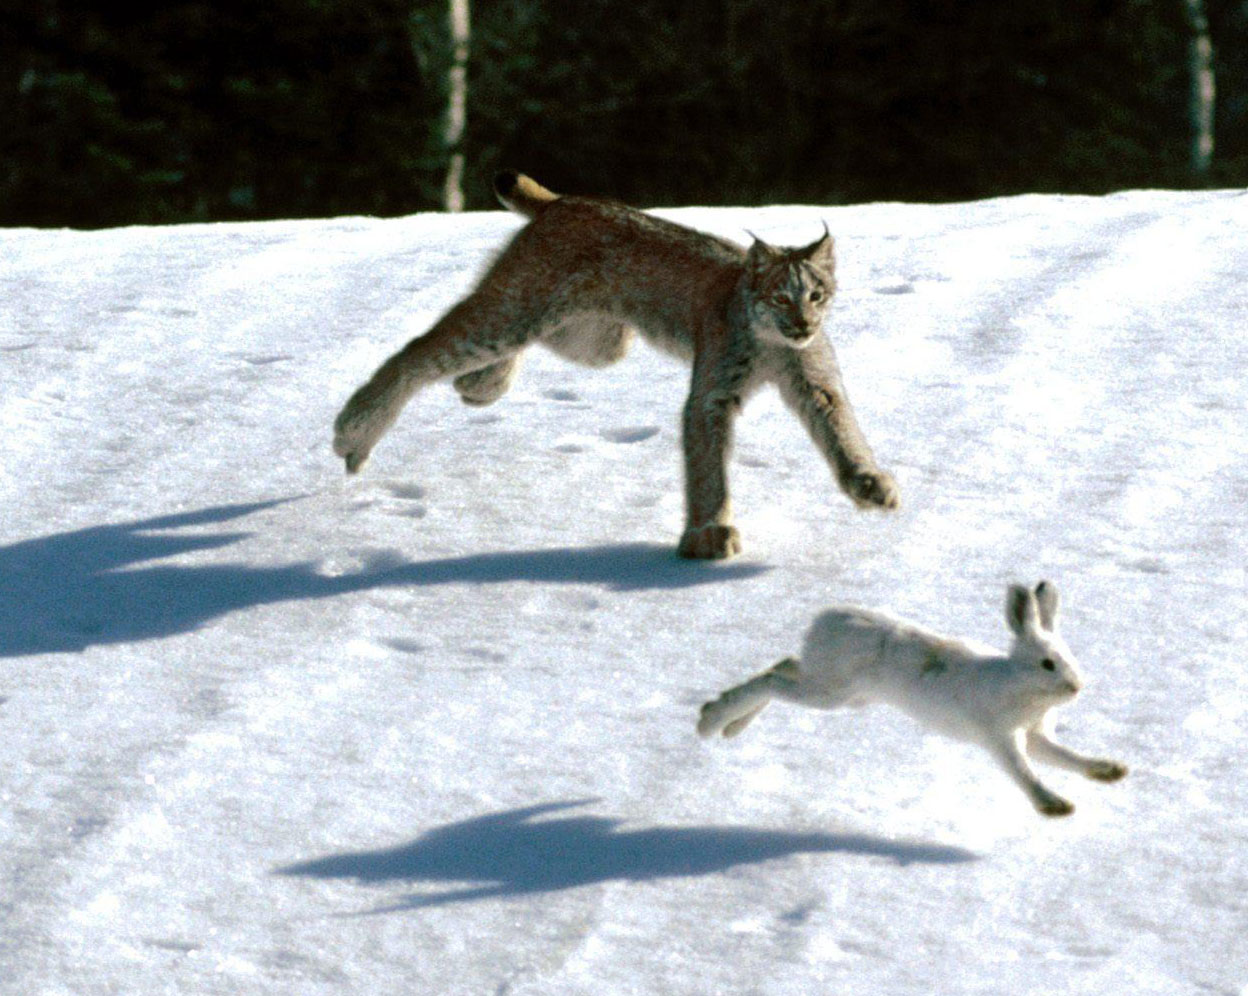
(506, 181)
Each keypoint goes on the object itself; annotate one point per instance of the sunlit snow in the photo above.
(267, 729)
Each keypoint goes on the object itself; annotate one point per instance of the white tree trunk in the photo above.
(1203, 90)
(457, 106)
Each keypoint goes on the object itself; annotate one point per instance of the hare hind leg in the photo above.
(736, 708)
(739, 724)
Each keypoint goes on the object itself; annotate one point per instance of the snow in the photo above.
(267, 729)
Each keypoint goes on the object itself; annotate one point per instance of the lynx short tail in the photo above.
(521, 193)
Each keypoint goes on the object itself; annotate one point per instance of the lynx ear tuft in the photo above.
(761, 253)
(821, 252)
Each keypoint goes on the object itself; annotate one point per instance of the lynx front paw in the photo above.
(1106, 771)
(713, 542)
(874, 488)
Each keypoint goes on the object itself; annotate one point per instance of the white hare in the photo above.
(853, 656)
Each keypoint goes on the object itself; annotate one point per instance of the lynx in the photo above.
(582, 278)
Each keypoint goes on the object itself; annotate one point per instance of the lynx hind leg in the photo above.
(591, 340)
(736, 708)
(485, 386)
(368, 413)
(477, 333)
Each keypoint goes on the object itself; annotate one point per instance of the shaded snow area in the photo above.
(430, 729)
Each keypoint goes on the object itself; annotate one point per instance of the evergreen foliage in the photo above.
(150, 112)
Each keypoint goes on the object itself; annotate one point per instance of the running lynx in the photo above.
(582, 278)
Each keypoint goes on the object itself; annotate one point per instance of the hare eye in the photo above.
(1048, 664)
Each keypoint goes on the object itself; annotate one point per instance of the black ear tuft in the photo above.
(760, 253)
(821, 252)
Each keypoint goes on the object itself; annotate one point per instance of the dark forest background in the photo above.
(151, 112)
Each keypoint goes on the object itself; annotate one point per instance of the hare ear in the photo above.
(821, 252)
(1047, 603)
(1021, 611)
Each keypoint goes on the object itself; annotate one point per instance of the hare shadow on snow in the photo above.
(509, 854)
(101, 585)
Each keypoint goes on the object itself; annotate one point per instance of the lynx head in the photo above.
(788, 290)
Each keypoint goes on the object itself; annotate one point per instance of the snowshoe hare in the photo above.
(853, 656)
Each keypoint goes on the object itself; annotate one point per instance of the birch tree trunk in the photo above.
(1203, 90)
(457, 106)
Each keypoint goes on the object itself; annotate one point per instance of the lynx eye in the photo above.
(1048, 664)
(816, 296)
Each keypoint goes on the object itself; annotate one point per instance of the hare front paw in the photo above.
(712, 542)
(1054, 805)
(1106, 771)
(874, 488)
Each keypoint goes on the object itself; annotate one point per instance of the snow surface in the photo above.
(267, 729)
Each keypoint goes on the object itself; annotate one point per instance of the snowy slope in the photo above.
(430, 730)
